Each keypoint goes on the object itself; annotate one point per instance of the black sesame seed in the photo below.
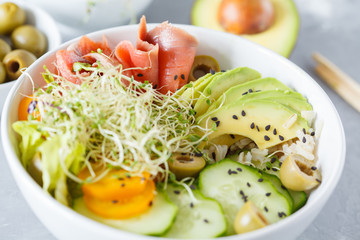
(273, 160)
(183, 153)
(235, 117)
(257, 127)
(248, 184)
(120, 178)
(250, 90)
(182, 76)
(239, 169)
(199, 154)
(191, 205)
(313, 168)
(212, 71)
(304, 131)
(229, 172)
(274, 132)
(267, 127)
(114, 201)
(268, 194)
(241, 192)
(223, 70)
(260, 171)
(232, 136)
(123, 185)
(260, 180)
(155, 86)
(140, 75)
(191, 159)
(217, 123)
(192, 106)
(252, 126)
(175, 77)
(267, 168)
(213, 155)
(274, 169)
(214, 119)
(281, 138)
(206, 221)
(304, 140)
(283, 187)
(243, 113)
(244, 93)
(192, 186)
(176, 191)
(280, 163)
(150, 203)
(266, 138)
(312, 134)
(318, 180)
(266, 209)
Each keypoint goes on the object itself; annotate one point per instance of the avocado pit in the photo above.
(246, 16)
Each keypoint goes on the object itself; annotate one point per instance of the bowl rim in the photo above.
(55, 35)
(327, 188)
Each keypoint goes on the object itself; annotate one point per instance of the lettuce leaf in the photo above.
(31, 139)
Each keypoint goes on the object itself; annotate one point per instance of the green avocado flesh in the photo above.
(219, 84)
(162, 210)
(264, 121)
(198, 217)
(235, 184)
(280, 37)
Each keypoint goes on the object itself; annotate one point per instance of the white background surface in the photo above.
(331, 27)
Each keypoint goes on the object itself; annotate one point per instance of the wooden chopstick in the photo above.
(342, 83)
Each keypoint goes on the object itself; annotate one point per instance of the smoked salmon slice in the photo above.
(177, 50)
(140, 62)
(85, 51)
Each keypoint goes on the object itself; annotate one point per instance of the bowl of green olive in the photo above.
(26, 33)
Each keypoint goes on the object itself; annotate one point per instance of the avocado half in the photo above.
(280, 37)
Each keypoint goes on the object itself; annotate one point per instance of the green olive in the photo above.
(4, 49)
(16, 60)
(203, 65)
(2, 73)
(296, 173)
(11, 16)
(29, 38)
(186, 165)
(249, 218)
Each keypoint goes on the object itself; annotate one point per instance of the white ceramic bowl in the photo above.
(91, 15)
(231, 51)
(42, 21)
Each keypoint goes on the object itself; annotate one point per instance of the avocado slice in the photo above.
(280, 36)
(221, 83)
(266, 122)
(193, 93)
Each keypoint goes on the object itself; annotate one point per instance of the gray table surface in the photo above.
(331, 27)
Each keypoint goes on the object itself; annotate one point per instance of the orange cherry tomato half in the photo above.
(28, 107)
(125, 208)
(116, 185)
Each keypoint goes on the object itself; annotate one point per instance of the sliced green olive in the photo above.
(35, 168)
(2, 73)
(186, 165)
(203, 65)
(29, 38)
(4, 49)
(297, 174)
(11, 16)
(16, 60)
(249, 218)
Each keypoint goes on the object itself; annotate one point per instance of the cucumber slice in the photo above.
(299, 198)
(232, 184)
(156, 221)
(202, 218)
(281, 189)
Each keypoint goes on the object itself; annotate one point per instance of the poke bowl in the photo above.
(233, 54)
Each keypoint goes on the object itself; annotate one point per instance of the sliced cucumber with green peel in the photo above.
(232, 184)
(198, 217)
(300, 198)
(156, 221)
